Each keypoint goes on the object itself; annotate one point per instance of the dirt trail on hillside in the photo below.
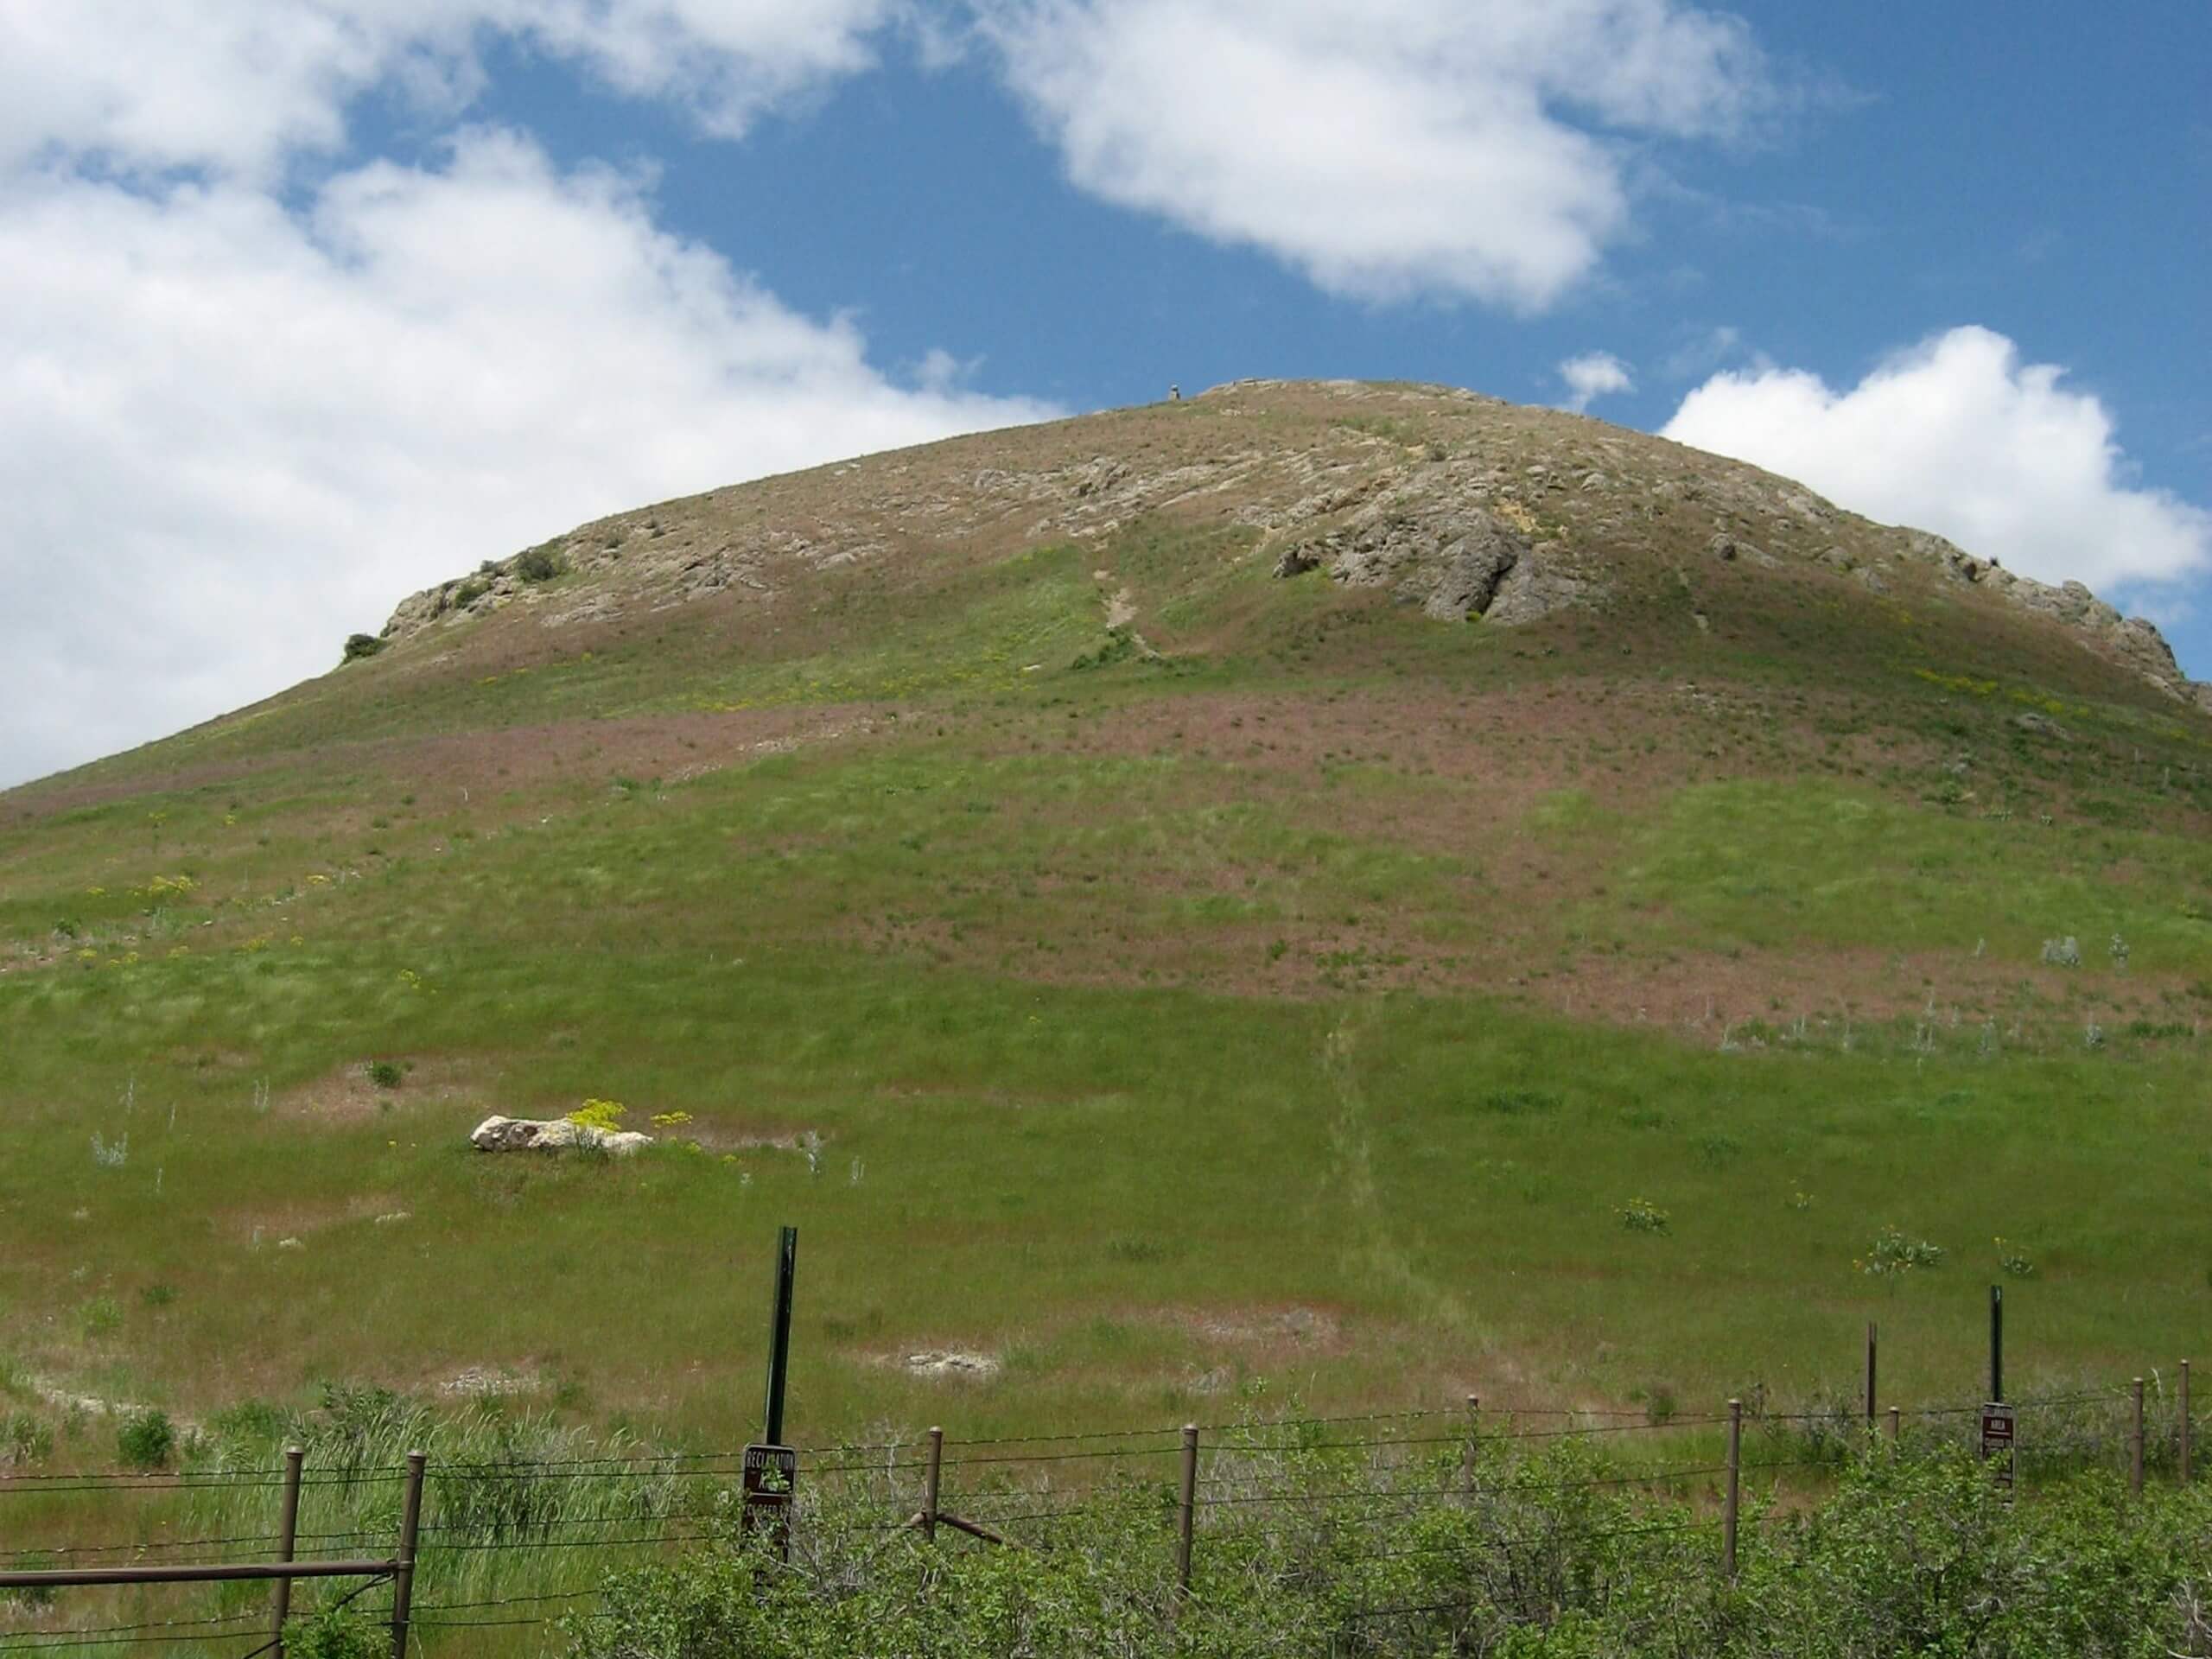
(1372, 1251)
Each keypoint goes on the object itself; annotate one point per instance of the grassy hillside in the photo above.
(1157, 975)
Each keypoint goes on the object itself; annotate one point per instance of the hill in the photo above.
(1362, 890)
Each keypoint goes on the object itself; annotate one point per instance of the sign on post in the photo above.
(771, 1478)
(1998, 1444)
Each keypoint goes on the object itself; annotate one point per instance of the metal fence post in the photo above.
(1894, 1426)
(1735, 1486)
(779, 1334)
(1187, 1513)
(929, 1492)
(1870, 1376)
(2135, 1445)
(1474, 1429)
(1997, 1343)
(402, 1578)
(288, 1538)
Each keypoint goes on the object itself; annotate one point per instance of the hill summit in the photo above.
(1464, 505)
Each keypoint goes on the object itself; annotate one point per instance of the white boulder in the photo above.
(497, 1133)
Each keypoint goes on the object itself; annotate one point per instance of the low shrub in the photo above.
(24, 1440)
(1534, 1558)
(145, 1440)
(1893, 1253)
(359, 646)
(337, 1633)
(604, 1115)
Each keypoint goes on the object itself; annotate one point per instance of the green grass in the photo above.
(1269, 1013)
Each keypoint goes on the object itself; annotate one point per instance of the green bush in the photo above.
(537, 565)
(337, 1633)
(146, 1440)
(360, 646)
(1642, 1216)
(469, 592)
(384, 1074)
(1541, 1557)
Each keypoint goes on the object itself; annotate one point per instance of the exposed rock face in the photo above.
(1544, 580)
(1728, 549)
(533, 1135)
(1455, 560)
(2127, 639)
(1451, 502)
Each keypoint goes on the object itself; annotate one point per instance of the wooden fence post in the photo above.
(2135, 1445)
(1735, 1486)
(403, 1580)
(288, 1538)
(1187, 1515)
(1474, 1428)
(2184, 1422)
(936, 1474)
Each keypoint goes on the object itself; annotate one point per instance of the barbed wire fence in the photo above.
(1355, 1479)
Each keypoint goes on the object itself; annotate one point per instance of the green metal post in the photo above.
(1997, 1342)
(780, 1333)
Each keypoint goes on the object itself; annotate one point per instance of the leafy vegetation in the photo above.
(1906, 1556)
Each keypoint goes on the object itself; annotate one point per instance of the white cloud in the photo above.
(1386, 148)
(230, 435)
(1594, 375)
(239, 84)
(1959, 436)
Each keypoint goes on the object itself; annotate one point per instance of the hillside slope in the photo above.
(1258, 886)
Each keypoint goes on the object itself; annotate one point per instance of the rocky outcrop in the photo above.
(1448, 559)
(2129, 641)
(1456, 559)
(1542, 581)
(553, 1135)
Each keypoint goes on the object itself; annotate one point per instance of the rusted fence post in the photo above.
(288, 1538)
(403, 1577)
(1735, 1487)
(2135, 1445)
(930, 1492)
(1186, 1515)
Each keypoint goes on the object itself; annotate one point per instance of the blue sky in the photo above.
(2042, 170)
(305, 306)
